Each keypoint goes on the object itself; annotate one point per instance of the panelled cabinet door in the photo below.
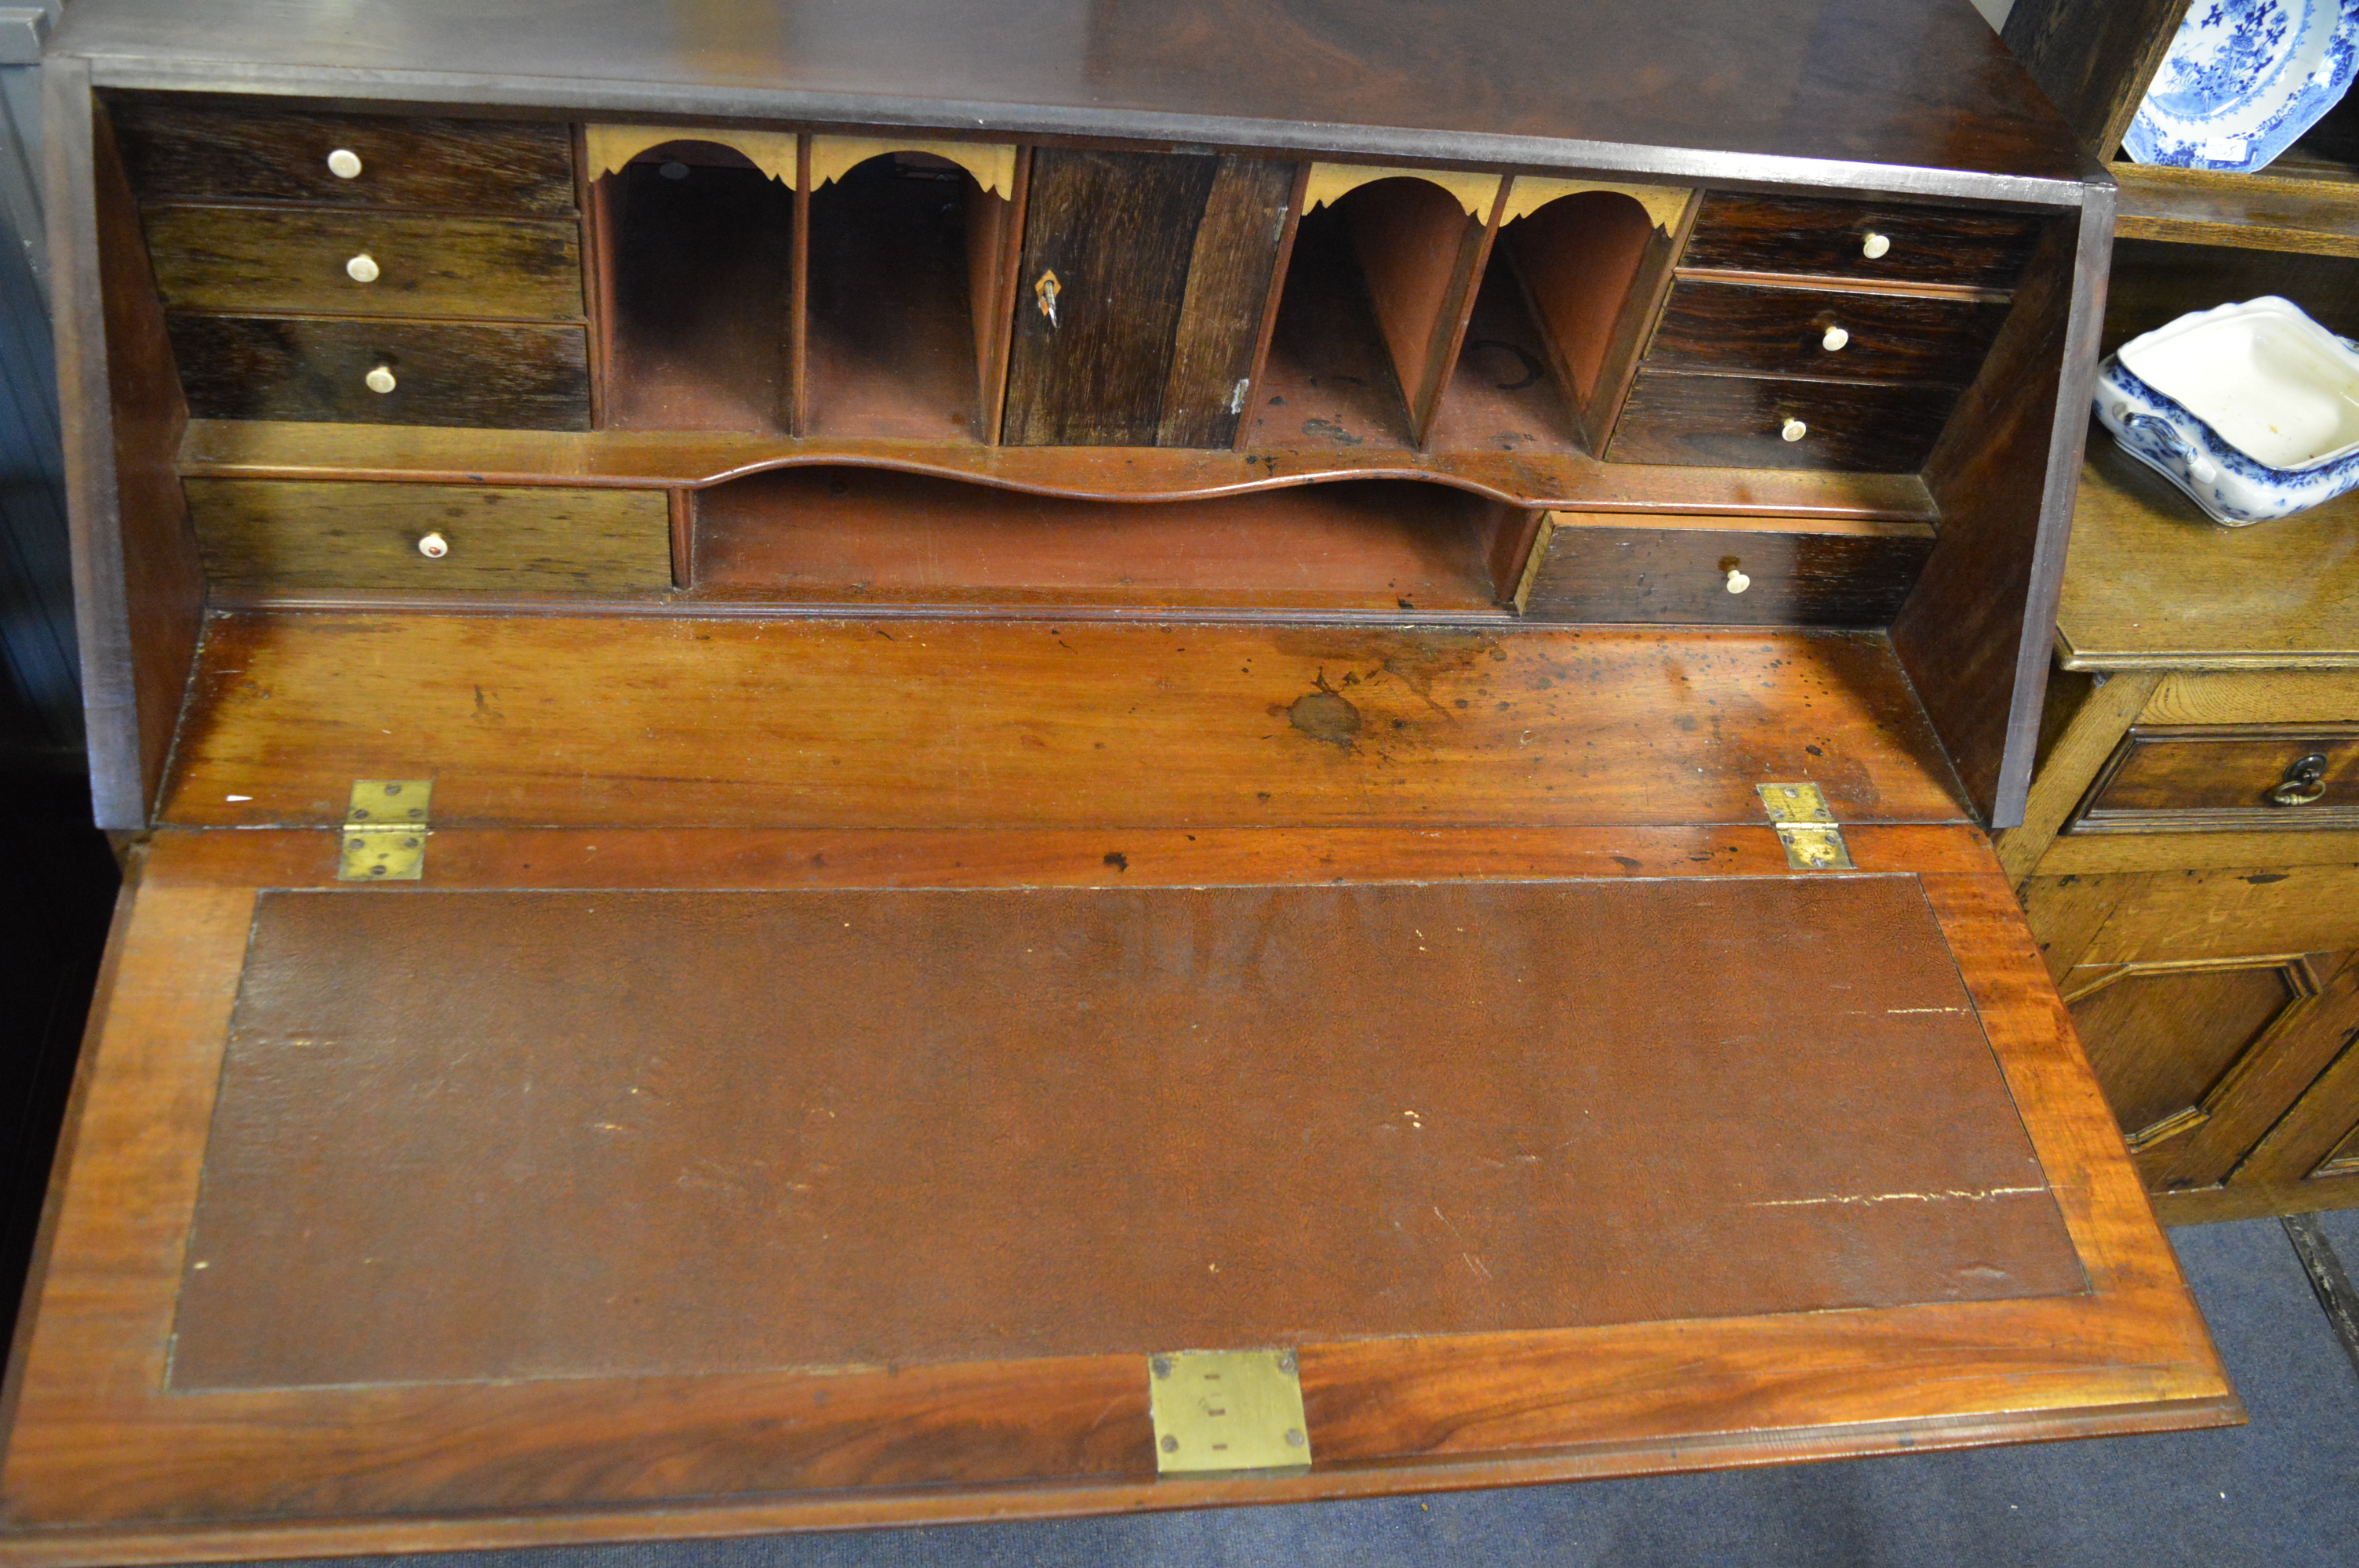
(1145, 279)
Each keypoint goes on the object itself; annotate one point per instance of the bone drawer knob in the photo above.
(1834, 341)
(380, 380)
(1875, 246)
(1737, 582)
(344, 164)
(434, 547)
(1793, 429)
(361, 268)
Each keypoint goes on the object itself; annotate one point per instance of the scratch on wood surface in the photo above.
(1476, 1264)
(1902, 1010)
(1965, 1194)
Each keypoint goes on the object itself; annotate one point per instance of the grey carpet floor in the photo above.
(2283, 1491)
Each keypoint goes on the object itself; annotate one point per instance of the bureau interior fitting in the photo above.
(652, 365)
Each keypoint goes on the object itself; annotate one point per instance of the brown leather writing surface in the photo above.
(634, 1133)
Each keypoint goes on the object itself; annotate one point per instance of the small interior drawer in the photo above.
(1710, 324)
(1742, 421)
(174, 151)
(273, 535)
(2244, 777)
(1724, 571)
(1924, 245)
(260, 261)
(510, 376)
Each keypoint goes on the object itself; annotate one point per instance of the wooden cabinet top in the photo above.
(1912, 97)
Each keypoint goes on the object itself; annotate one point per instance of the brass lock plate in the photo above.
(1227, 1410)
(384, 832)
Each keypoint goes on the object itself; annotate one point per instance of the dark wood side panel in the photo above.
(1115, 229)
(1682, 575)
(513, 376)
(1822, 238)
(1738, 421)
(178, 150)
(139, 589)
(1711, 324)
(1975, 636)
(1233, 262)
(2095, 57)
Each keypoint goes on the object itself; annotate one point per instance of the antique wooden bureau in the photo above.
(942, 760)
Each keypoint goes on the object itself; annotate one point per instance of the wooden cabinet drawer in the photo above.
(1737, 421)
(511, 376)
(298, 536)
(1712, 325)
(174, 152)
(261, 261)
(1831, 239)
(1739, 574)
(2260, 776)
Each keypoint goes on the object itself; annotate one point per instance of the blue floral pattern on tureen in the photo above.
(2229, 483)
(2243, 80)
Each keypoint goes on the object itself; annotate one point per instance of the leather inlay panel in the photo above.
(590, 1133)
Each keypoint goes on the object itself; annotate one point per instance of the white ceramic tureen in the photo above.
(2252, 409)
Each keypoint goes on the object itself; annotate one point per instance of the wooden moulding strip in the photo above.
(1333, 181)
(635, 458)
(993, 164)
(607, 148)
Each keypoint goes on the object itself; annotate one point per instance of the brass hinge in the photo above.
(1806, 825)
(385, 833)
(1227, 1410)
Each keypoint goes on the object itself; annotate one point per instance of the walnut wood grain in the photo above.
(1232, 274)
(2080, 743)
(1116, 231)
(2095, 57)
(292, 536)
(632, 457)
(1707, 324)
(466, 374)
(2158, 586)
(95, 1439)
(1681, 577)
(285, 261)
(1732, 421)
(1070, 723)
(2253, 211)
(1821, 238)
(2185, 778)
(178, 151)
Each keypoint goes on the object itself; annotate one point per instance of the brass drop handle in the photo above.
(2304, 780)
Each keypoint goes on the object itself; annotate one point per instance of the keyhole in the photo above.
(1046, 291)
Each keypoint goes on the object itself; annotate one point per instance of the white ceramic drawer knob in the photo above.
(361, 268)
(1834, 341)
(344, 164)
(380, 380)
(1875, 246)
(1737, 582)
(1793, 429)
(434, 547)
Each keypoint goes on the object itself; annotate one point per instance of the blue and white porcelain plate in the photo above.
(2243, 80)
